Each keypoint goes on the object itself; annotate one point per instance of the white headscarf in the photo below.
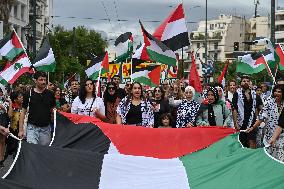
(190, 88)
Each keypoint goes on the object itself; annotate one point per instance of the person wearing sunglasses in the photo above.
(87, 103)
(160, 105)
(111, 101)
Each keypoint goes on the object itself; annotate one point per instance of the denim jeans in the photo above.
(38, 135)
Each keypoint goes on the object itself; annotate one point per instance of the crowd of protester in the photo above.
(255, 110)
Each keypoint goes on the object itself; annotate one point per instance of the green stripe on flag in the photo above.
(161, 58)
(13, 53)
(226, 164)
(47, 68)
(145, 81)
(247, 69)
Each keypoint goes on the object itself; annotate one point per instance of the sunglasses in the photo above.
(87, 84)
(111, 88)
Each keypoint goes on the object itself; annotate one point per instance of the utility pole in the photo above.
(74, 43)
(206, 35)
(34, 27)
(256, 3)
(272, 22)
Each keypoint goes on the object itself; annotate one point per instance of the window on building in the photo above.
(16, 11)
(211, 26)
(197, 55)
(203, 55)
(23, 13)
(198, 45)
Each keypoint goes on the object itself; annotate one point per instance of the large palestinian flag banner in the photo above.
(89, 154)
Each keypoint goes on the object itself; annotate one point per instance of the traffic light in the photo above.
(236, 46)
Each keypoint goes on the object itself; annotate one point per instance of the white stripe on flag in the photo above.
(10, 72)
(138, 52)
(95, 68)
(7, 48)
(128, 172)
(154, 47)
(143, 73)
(174, 28)
(121, 48)
(47, 60)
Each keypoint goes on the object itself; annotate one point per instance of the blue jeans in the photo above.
(38, 135)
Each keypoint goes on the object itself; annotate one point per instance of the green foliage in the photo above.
(71, 51)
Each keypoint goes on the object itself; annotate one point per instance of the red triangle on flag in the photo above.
(105, 62)
(154, 75)
(15, 41)
(280, 53)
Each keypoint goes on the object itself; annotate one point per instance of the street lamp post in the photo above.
(272, 22)
(206, 34)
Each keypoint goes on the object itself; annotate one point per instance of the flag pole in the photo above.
(98, 82)
(131, 67)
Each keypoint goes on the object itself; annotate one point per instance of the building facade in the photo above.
(279, 25)
(19, 18)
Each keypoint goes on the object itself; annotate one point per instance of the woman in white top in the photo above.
(87, 103)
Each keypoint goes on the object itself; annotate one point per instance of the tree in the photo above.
(5, 9)
(72, 48)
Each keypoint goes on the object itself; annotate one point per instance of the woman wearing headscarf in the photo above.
(111, 101)
(188, 109)
(213, 112)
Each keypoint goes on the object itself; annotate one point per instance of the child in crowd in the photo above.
(166, 121)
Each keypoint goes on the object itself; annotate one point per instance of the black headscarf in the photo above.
(211, 115)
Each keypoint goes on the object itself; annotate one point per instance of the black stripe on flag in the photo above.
(49, 167)
(83, 136)
(95, 60)
(123, 38)
(6, 39)
(152, 38)
(178, 41)
(43, 51)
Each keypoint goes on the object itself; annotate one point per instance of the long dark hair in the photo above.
(281, 87)
(130, 95)
(83, 92)
(162, 92)
(107, 96)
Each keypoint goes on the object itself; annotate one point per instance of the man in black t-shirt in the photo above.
(246, 106)
(39, 102)
(120, 92)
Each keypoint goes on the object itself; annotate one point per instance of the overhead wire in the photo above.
(115, 7)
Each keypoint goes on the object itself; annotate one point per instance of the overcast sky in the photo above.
(146, 10)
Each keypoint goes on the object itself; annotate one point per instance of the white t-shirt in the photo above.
(85, 109)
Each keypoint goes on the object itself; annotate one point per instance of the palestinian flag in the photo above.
(140, 54)
(98, 64)
(15, 69)
(255, 62)
(45, 60)
(158, 51)
(173, 31)
(280, 54)
(149, 75)
(99, 155)
(10, 46)
(123, 47)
